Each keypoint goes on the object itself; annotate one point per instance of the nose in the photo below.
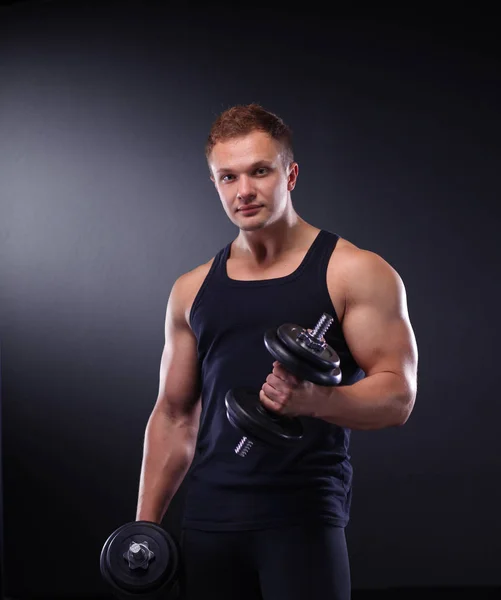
(245, 188)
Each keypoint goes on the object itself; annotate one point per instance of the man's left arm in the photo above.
(380, 337)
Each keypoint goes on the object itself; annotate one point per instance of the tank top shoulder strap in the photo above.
(321, 250)
(214, 274)
(218, 268)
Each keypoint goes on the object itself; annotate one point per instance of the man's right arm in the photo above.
(172, 428)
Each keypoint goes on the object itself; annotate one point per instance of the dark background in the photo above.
(105, 200)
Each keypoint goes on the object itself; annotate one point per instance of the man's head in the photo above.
(251, 162)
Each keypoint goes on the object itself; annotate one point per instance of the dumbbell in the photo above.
(140, 560)
(303, 353)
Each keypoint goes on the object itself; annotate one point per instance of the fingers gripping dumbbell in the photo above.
(303, 353)
(140, 560)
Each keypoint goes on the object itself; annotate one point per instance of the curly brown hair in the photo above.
(242, 119)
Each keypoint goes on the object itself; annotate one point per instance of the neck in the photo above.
(267, 244)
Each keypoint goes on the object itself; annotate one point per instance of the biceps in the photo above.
(381, 338)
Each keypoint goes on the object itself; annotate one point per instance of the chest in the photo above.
(241, 271)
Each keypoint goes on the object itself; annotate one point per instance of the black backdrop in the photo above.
(105, 200)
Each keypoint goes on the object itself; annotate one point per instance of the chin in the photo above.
(251, 226)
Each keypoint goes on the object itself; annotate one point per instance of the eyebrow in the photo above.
(259, 163)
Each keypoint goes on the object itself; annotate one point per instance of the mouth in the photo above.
(250, 208)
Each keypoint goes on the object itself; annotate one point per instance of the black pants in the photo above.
(296, 563)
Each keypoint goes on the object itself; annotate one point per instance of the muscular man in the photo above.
(271, 525)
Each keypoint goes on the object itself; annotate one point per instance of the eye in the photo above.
(262, 170)
(226, 178)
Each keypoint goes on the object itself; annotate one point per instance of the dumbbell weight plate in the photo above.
(161, 572)
(297, 365)
(246, 412)
(326, 360)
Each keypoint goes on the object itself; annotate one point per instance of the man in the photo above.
(271, 525)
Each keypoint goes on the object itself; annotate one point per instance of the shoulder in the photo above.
(364, 275)
(186, 288)
(193, 278)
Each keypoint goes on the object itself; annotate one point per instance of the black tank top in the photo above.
(271, 486)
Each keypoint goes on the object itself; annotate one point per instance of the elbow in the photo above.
(405, 406)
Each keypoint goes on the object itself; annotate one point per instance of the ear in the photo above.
(293, 173)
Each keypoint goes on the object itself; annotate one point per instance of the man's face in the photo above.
(249, 172)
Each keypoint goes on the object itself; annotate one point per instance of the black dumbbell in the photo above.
(140, 560)
(303, 353)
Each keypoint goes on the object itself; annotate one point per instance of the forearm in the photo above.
(378, 401)
(169, 448)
